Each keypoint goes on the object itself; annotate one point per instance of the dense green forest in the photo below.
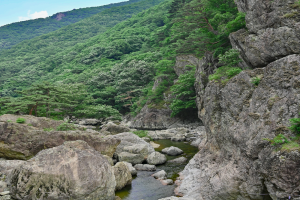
(15, 33)
(118, 67)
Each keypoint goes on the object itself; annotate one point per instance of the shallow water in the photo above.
(145, 187)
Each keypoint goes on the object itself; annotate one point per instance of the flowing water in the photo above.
(145, 187)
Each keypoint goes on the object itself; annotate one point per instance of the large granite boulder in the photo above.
(133, 144)
(122, 175)
(156, 158)
(20, 141)
(73, 170)
(114, 128)
(235, 161)
(131, 158)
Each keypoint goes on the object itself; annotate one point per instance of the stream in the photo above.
(145, 187)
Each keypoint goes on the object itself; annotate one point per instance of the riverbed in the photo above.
(145, 187)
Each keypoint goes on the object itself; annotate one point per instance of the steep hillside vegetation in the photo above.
(15, 33)
(119, 65)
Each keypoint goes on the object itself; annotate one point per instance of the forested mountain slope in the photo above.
(120, 65)
(15, 33)
(43, 53)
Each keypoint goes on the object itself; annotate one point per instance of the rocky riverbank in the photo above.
(46, 163)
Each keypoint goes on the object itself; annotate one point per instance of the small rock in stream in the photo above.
(167, 182)
(161, 175)
(172, 151)
(145, 167)
(178, 160)
(156, 158)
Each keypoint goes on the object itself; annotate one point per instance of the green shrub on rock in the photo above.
(141, 133)
(255, 81)
(230, 60)
(295, 125)
(65, 127)
(21, 120)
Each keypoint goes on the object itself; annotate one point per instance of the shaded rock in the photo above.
(73, 170)
(114, 128)
(131, 168)
(131, 158)
(156, 158)
(109, 159)
(172, 151)
(89, 122)
(146, 139)
(132, 143)
(122, 175)
(167, 182)
(160, 175)
(196, 142)
(178, 160)
(22, 142)
(117, 198)
(145, 167)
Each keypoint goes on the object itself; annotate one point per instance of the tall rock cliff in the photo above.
(235, 161)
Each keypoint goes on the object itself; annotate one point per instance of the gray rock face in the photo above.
(73, 170)
(172, 151)
(89, 122)
(114, 128)
(131, 168)
(133, 144)
(178, 160)
(234, 161)
(156, 158)
(273, 31)
(122, 175)
(160, 175)
(131, 158)
(145, 167)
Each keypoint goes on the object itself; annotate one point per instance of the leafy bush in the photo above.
(279, 139)
(255, 81)
(9, 121)
(185, 92)
(230, 60)
(65, 127)
(295, 125)
(141, 133)
(21, 120)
